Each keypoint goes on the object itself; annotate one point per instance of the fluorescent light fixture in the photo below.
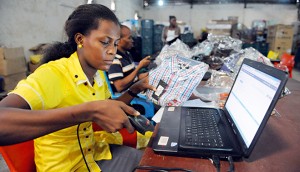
(160, 2)
(113, 5)
(89, 1)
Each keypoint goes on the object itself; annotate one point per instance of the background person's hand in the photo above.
(111, 116)
(143, 75)
(144, 62)
(141, 85)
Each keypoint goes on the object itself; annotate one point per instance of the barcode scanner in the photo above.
(141, 123)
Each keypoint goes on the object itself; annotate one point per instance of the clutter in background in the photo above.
(12, 61)
(13, 67)
(280, 38)
(234, 61)
(223, 56)
(35, 59)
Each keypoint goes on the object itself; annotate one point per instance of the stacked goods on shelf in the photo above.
(280, 38)
(147, 37)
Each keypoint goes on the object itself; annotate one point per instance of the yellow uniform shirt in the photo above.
(58, 84)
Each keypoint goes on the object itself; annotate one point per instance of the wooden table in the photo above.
(277, 150)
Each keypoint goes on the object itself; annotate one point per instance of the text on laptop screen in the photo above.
(249, 100)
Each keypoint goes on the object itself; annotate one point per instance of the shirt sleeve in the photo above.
(41, 90)
(115, 71)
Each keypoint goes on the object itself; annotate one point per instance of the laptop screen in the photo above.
(250, 99)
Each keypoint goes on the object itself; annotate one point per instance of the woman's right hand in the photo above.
(111, 116)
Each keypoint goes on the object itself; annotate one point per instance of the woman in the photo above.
(59, 101)
(171, 32)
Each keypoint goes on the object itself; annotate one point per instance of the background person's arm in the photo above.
(126, 82)
(164, 34)
(136, 88)
(178, 30)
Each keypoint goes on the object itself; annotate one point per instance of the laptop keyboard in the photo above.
(201, 128)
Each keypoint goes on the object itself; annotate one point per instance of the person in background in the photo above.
(123, 72)
(203, 36)
(171, 32)
(57, 104)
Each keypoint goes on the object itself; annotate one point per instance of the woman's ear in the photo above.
(79, 38)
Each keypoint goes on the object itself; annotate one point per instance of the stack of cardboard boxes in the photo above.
(296, 39)
(219, 27)
(12, 66)
(280, 38)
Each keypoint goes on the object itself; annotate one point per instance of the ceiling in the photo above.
(192, 2)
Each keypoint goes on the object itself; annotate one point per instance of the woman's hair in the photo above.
(172, 17)
(84, 19)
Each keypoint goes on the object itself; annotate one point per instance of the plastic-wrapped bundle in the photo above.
(220, 79)
(165, 53)
(204, 48)
(214, 62)
(231, 61)
(177, 48)
(182, 47)
(175, 80)
(234, 61)
(224, 45)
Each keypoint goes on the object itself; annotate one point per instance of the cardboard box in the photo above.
(219, 27)
(280, 46)
(12, 61)
(221, 21)
(280, 38)
(214, 25)
(11, 81)
(296, 28)
(233, 19)
(226, 32)
(280, 32)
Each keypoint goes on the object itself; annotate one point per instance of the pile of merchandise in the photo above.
(179, 69)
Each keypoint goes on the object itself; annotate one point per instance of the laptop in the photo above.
(231, 131)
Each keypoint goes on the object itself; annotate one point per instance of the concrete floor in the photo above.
(3, 166)
(296, 74)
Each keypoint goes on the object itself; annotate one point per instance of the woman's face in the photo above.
(173, 22)
(100, 45)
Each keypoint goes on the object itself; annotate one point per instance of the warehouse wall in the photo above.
(30, 22)
(199, 15)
